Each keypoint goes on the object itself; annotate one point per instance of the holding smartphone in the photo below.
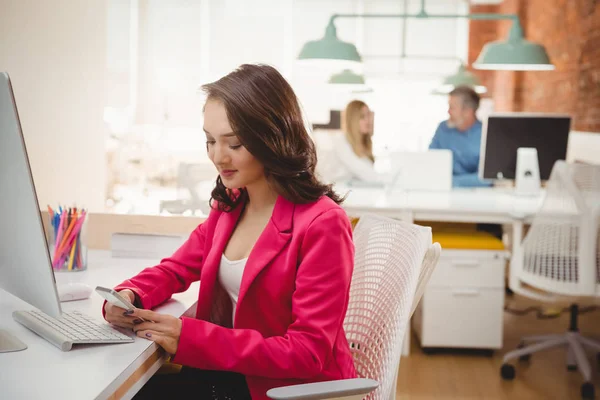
(115, 298)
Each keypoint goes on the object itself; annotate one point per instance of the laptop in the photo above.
(421, 170)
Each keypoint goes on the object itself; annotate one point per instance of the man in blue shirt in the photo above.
(461, 134)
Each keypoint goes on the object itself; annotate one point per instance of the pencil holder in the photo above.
(67, 239)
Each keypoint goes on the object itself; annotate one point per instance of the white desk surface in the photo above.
(482, 205)
(42, 371)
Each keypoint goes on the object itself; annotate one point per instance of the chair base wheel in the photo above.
(587, 391)
(507, 372)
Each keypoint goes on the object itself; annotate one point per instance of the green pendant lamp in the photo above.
(462, 78)
(350, 81)
(347, 77)
(514, 54)
(330, 48)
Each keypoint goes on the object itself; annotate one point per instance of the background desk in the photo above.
(90, 371)
(477, 205)
(467, 205)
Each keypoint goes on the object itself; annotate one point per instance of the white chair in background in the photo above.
(393, 261)
(189, 178)
(559, 259)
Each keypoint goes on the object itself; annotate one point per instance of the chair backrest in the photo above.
(429, 262)
(388, 259)
(560, 254)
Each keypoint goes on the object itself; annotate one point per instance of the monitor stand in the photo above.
(527, 174)
(9, 342)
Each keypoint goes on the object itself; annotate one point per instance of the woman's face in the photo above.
(364, 123)
(237, 167)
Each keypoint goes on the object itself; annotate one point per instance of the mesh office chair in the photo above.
(189, 176)
(560, 257)
(393, 261)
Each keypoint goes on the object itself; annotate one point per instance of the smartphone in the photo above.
(114, 298)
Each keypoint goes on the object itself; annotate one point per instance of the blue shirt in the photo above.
(465, 147)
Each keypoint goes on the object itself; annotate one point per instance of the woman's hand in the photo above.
(119, 316)
(163, 329)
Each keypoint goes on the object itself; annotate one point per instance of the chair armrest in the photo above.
(344, 388)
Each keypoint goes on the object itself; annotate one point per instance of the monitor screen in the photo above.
(504, 133)
(25, 268)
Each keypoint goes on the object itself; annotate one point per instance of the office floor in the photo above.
(467, 376)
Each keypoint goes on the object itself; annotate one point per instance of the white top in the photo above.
(230, 277)
(339, 163)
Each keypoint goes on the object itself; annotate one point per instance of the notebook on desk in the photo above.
(421, 170)
(144, 245)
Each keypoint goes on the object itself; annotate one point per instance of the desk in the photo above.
(467, 205)
(119, 370)
(87, 371)
(475, 205)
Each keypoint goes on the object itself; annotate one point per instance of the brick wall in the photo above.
(570, 31)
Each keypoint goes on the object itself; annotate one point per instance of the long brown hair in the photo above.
(264, 113)
(361, 144)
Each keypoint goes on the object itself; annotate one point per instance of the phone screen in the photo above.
(114, 298)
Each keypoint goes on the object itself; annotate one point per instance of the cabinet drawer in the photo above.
(469, 268)
(462, 317)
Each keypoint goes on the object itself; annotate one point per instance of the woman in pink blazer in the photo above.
(274, 258)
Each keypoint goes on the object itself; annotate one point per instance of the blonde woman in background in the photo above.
(352, 156)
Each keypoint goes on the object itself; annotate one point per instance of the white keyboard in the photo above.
(69, 329)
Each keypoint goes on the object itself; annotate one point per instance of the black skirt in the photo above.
(196, 384)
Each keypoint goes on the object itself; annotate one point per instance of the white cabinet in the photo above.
(463, 304)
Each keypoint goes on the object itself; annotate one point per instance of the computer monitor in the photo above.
(25, 266)
(504, 133)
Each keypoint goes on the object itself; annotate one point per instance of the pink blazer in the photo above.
(292, 301)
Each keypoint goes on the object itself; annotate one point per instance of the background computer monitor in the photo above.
(504, 133)
(25, 267)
